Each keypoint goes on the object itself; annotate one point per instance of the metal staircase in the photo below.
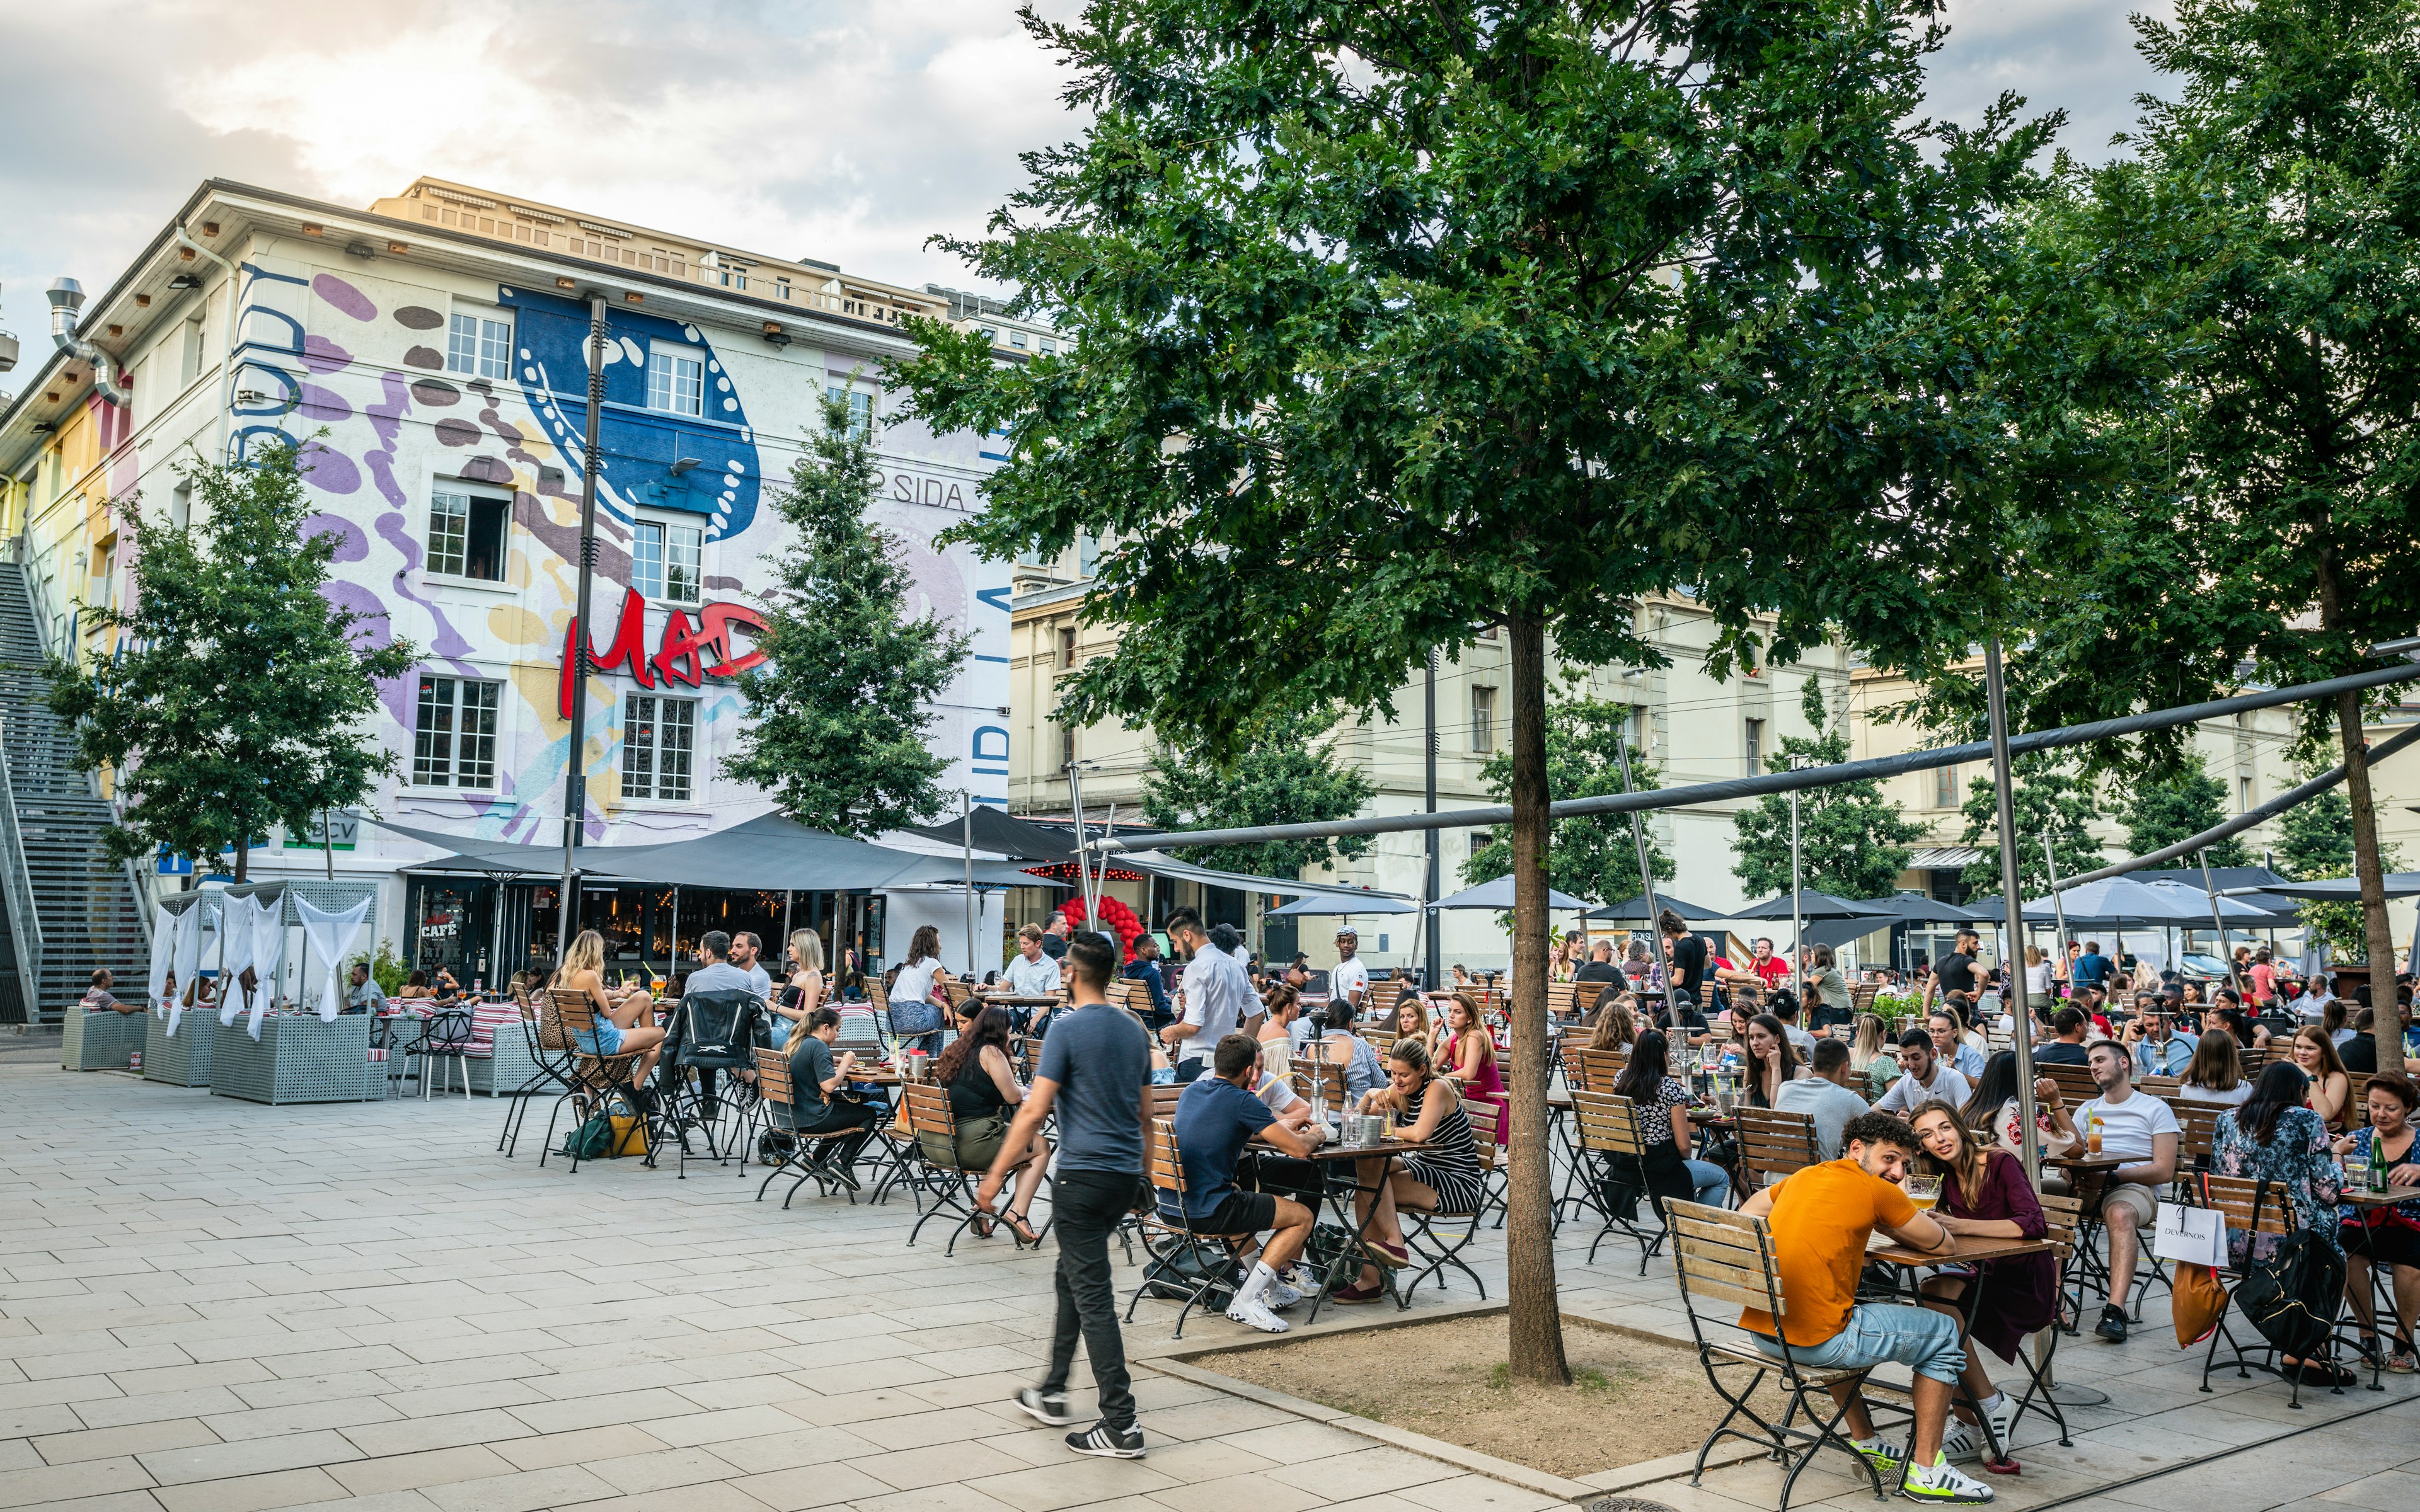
(69, 908)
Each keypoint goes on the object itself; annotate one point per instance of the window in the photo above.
(1479, 839)
(180, 506)
(666, 560)
(675, 384)
(1050, 348)
(479, 347)
(1087, 554)
(656, 734)
(1066, 746)
(781, 288)
(1637, 733)
(1944, 787)
(1755, 746)
(467, 534)
(2244, 800)
(860, 409)
(1482, 722)
(1017, 339)
(455, 745)
(1067, 647)
(189, 364)
(991, 334)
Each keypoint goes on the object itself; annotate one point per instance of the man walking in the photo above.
(1096, 1070)
(1350, 979)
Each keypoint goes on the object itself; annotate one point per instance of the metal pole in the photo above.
(1647, 890)
(967, 848)
(786, 926)
(1433, 959)
(1083, 864)
(574, 779)
(328, 841)
(2057, 907)
(2232, 975)
(2012, 895)
(1797, 923)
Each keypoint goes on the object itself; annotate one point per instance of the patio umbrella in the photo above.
(1636, 907)
(1343, 903)
(1811, 904)
(1498, 896)
(1914, 910)
(2399, 884)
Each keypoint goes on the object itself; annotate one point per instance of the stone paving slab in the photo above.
(212, 1307)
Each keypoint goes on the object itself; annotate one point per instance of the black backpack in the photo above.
(2292, 1296)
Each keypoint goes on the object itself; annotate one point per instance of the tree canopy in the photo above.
(2178, 804)
(234, 696)
(1853, 841)
(837, 712)
(2051, 799)
(1588, 857)
(1283, 778)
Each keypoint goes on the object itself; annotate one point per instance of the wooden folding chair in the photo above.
(2196, 1129)
(1725, 1259)
(1773, 1144)
(593, 1077)
(933, 1160)
(2062, 1217)
(810, 1155)
(2251, 1206)
(1609, 1143)
(2075, 1084)
(1210, 1257)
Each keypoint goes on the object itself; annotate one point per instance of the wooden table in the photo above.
(1357, 1251)
(2360, 1198)
(1969, 1249)
(2084, 1165)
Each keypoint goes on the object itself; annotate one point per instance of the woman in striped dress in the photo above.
(1446, 1177)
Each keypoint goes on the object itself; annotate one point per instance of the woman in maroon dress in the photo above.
(1984, 1195)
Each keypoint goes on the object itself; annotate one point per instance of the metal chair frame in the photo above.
(1420, 1226)
(2255, 1206)
(780, 1112)
(593, 1077)
(1609, 1138)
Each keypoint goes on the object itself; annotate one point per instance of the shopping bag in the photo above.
(2190, 1236)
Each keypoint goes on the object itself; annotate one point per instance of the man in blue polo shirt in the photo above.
(1215, 1117)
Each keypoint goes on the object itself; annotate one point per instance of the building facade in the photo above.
(429, 353)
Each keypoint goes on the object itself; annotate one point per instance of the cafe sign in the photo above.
(687, 653)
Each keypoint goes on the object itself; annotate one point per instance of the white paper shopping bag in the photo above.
(2194, 1234)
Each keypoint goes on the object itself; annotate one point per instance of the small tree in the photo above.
(234, 696)
(2177, 804)
(1280, 780)
(1852, 842)
(1587, 858)
(837, 710)
(2050, 799)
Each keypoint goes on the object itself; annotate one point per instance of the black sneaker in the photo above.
(1045, 1406)
(1106, 1442)
(2113, 1324)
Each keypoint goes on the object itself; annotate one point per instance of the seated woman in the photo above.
(1340, 1046)
(820, 1106)
(416, 985)
(2330, 1088)
(624, 1027)
(2274, 1137)
(1446, 1177)
(2216, 1072)
(1873, 1055)
(1771, 1060)
(803, 993)
(2384, 1236)
(1994, 1108)
(1411, 1020)
(1469, 1060)
(984, 1095)
(1616, 1023)
(1985, 1194)
(1661, 1104)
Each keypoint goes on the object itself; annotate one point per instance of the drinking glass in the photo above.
(1924, 1191)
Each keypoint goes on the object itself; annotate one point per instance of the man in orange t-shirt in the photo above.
(1820, 1218)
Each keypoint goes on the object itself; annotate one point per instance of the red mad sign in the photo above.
(687, 653)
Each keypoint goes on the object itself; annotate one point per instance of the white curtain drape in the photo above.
(235, 955)
(188, 964)
(268, 956)
(332, 938)
(164, 944)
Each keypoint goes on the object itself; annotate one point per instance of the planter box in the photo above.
(102, 1042)
(297, 1059)
(185, 1061)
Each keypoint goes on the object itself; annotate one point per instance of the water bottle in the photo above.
(2377, 1163)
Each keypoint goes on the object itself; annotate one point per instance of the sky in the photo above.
(845, 132)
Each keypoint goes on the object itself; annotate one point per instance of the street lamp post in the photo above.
(575, 778)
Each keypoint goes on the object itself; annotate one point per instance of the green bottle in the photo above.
(2377, 1163)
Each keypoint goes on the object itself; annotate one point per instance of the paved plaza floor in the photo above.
(212, 1306)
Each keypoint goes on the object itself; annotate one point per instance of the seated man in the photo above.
(1922, 1077)
(1819, 1219)
(99, 1000)
(1825, 1097)
(2140, 1130)
(1215, 1116)
(2068, 1049)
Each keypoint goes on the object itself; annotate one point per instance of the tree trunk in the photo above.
(1535, 1314)
(242, 864)
(2366, 863)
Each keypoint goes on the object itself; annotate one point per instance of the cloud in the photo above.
(845, 132)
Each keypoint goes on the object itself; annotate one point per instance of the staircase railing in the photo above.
(16, 890)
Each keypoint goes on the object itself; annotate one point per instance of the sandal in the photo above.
(981, 1223)
(1021, 1228)
(2402, 1363)
(2320, 1373)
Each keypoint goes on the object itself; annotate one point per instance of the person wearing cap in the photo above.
(1349, 982)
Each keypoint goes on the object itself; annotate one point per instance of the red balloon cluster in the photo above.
(1115, 916)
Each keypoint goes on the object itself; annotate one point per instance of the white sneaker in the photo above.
(2003, 1419)
(1279, 1296)
(1255, 1314)
(1961, 1441)
(1943, 1482)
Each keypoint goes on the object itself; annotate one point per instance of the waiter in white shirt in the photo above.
(1350, 979)
(1212, 997)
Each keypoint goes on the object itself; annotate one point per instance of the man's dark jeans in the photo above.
(1086, 1208)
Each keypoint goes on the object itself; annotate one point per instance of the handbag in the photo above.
(629, 1128)
(2197, 1300)
(2292, 1296)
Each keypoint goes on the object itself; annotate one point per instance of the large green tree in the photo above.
(2051, 800)
(1853, 841)
(234, 695)
(2242, 279)
(1281, 778)
(2166, 806)
(1591, 859)
(838, 710)
(1397, 321)
(2315, 843)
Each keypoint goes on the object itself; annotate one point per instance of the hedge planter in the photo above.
(185, 1061)
(102, 1042)
(297, 1059)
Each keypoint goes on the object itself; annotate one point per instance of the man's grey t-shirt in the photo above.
(722, 977)
(1830, 1104)
(1101, 1060)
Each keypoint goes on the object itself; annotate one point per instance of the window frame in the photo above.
(472, 497)
(456, 733)
(654, 720)
(673, 361)
(658, 589)
(1483, 729)
(484, 321)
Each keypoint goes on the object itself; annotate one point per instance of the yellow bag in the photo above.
(629, 1128)
(2196, 1301)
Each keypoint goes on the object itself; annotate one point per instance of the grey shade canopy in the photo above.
(768, 852)
(2399, 884)
(2126, 903)
(1003, 834)
(1812, 905)
(1498, 896)
(1914, 910)
(1162, 864)
(1342, 905)
(1636, 907)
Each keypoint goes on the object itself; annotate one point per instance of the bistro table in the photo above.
(2382, 1290)
(1968, 1249)
(1357, 1251)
